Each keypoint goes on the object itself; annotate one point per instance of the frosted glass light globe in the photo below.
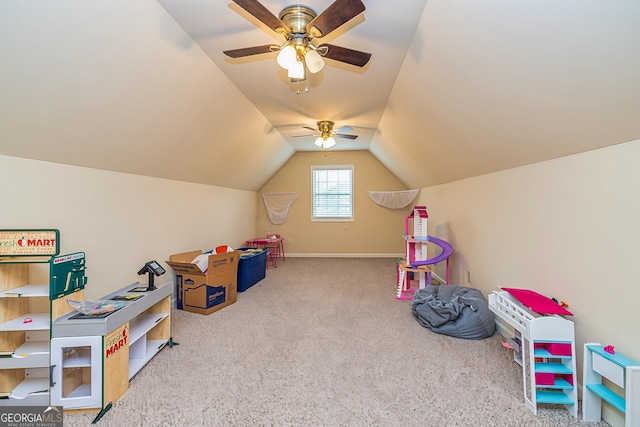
(314, 61)
(287, 57)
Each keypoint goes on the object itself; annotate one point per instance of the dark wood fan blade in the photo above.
(344, 135)
(248, 51)
(343, 54)
(340, 12)
(344, 129)
(263, 14)
(302, 136)
(310, 128)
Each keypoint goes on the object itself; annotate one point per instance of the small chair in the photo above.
(273, 245)
(269, 245)
(278, 246)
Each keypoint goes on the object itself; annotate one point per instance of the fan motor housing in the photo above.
(325, 126)
(297, 17)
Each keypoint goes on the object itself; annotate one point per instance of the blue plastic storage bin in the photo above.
(252, 267)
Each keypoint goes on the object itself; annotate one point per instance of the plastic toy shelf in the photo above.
(551, 368)
(142, 349)
(30, 387)
(32, 390)
(32, 348)
(26, 291)
(151, 348)
(613, 399)
(553, 397)
(545, 349)
(31, 354)
(617, 369)
(143, 324)
(38, 321)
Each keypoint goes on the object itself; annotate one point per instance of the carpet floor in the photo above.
(324, 342)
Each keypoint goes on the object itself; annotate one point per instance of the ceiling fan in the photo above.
(326, 133)
(299, 25)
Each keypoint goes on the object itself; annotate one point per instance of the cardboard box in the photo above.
(205, 292)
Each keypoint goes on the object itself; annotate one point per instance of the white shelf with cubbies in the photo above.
(108, 350)
(612, 378)
(142, 346)
(544, 346)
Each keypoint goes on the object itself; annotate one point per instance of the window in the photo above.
(332, 188)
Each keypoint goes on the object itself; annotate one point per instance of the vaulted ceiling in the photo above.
(453, 89)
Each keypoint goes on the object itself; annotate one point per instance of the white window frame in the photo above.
(350, 218)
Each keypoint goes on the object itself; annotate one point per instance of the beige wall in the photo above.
(566, 228)
(120, 220)
(376, 231)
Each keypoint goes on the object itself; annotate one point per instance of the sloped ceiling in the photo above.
(453, 90)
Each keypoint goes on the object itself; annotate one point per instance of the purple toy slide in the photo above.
(447, 250)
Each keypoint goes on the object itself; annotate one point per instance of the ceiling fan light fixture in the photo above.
(296, 72)
(329, 142)
(319, 142)
(300, 24)
(287, 57)
(313, 60)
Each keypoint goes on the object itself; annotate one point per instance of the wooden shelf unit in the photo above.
(545, 349)
(24, 335)
(26, 310)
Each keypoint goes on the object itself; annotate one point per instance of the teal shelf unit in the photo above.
(552, 377)
(616, 369)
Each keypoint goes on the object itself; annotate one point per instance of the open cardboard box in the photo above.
(205, 292)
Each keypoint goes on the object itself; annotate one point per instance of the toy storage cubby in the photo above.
(149, 333)
(94, 357)
(76, 369)
(544, 346)
(616, 370)
(26, 310)
(24, 336)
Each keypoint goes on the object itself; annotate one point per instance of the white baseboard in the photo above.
(342, 255)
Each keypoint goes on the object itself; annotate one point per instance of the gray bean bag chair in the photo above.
(457, 311)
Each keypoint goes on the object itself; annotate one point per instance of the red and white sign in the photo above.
(116, 341)
(29, 242)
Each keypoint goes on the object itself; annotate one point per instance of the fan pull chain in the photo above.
(306, 86)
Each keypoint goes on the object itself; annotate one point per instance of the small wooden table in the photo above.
(274, 246)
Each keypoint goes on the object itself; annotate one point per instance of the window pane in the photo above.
(332, 192)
